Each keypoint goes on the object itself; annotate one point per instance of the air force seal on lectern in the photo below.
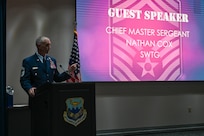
(75, 112)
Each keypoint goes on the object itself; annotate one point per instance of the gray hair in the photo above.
(40, 40)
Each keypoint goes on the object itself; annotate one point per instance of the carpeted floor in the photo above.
(185, 133)
(191, 131)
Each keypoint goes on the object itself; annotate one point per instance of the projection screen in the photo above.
(141, 40)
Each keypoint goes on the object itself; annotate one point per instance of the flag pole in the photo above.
(75, 26)
(74, 58)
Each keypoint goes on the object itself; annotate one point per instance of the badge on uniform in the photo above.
(52, 64)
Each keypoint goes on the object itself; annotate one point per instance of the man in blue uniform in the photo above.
(40, 68)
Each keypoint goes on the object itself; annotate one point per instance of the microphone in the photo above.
(64, 69)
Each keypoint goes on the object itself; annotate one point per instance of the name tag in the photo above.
(34, 68)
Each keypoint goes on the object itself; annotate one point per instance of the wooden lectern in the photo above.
(64, 109)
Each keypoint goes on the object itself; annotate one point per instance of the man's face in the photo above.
(44, 47)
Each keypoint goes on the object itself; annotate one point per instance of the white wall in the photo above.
(124, 105)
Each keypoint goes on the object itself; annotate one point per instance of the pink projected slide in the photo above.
(140, 40)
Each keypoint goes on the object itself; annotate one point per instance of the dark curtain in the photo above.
(3, 116)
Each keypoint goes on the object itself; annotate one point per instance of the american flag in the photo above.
(74, 58)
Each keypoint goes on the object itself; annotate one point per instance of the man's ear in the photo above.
(37, 46)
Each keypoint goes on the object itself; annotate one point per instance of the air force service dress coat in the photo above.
(34, 73)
